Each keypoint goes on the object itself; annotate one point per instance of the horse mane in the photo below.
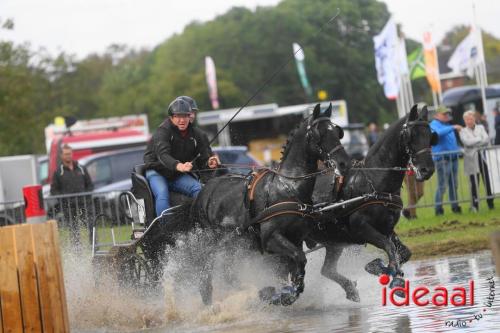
(285, 149)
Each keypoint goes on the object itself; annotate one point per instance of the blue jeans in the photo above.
(447, 175)
(184, 184)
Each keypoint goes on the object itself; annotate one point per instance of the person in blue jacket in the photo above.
(445, 156)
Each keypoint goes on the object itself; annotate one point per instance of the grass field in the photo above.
(451, 233)
(429, 235)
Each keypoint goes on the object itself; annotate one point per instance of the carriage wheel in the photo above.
(137, 273)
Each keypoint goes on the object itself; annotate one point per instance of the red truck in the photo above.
(88, 137)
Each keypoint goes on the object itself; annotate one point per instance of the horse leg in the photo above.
(280, 245)
(229, 269)
(329, 270)
(403, 251)
(362, 229)
(205, 286)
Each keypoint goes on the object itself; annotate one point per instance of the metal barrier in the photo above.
(420, 195)
(78, 214)
(82, 212)
(11, 213)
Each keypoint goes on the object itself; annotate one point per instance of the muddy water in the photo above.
(322, 308)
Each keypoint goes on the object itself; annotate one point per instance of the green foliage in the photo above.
(23, 99)
(247, 47)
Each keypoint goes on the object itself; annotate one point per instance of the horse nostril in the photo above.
(342, 165)
(424, 170)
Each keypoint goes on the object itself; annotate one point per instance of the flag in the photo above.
(416, 63)
(431, 63)
(299, 61)
(387, 62)
(211, 82)
(466, 56)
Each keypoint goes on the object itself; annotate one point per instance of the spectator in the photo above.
(71, 178)
(474, 136)
(445, 156)
(496, 114)
(372, 134)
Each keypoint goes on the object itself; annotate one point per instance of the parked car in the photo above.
(238, 157)
(355, 141)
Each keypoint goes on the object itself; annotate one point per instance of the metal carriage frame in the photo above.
(126, 261)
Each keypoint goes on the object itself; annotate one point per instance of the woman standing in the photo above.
(473, 137)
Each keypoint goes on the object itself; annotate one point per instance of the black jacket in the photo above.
(168, 147)
(65, 181)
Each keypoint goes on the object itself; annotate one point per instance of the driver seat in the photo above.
(142, 190)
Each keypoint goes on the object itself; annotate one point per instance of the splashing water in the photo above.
(106, 306)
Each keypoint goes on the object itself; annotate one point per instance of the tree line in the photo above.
(247, 46)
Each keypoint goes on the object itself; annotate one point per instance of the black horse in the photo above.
(230, 203)
(406, 142)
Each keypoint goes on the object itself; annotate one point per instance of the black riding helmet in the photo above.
(191, 102)
(179, 106)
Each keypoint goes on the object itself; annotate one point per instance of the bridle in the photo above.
(405, 139)
(313, 133)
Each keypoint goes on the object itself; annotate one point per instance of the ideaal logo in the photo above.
(439, 296)
(423, 296)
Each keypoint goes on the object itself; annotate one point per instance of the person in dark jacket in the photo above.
(177, 148)
(71, 178)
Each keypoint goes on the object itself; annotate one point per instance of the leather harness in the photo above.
(291, 207)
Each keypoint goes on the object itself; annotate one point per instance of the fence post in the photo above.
(32, 294)
(495, 249)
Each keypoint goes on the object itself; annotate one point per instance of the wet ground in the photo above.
(322, 308)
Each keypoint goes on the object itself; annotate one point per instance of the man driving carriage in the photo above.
(176, 149)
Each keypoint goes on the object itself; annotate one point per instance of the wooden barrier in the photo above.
(495, 249)
(32, 294)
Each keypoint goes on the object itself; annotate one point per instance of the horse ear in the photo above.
(328, 112)
(423, 112)
(316, 112)
(413, 113)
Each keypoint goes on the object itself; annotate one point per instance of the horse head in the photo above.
(323, 140)
(417, 139)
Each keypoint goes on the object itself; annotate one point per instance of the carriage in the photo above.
(129, 262)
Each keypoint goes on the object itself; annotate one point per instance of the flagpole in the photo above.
(482, 77)
(405, 78)
(434, 98)
(440, 90)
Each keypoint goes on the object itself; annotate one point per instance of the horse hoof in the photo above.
(376, 267)
(288, 295)
(353, 296)
(352, 293)
(266, 294)
(398, 282)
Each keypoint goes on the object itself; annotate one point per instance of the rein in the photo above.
(253, 167)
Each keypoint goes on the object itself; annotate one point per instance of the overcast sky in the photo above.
(84, 26)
